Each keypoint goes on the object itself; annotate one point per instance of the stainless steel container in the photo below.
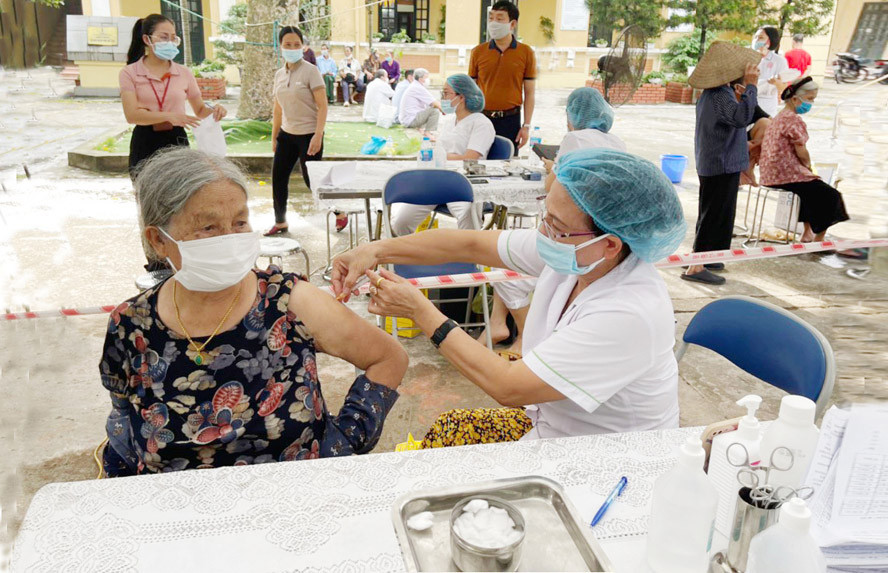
(470, 557)
(749, 520)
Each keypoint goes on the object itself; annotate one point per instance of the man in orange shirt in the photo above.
(505, 70)
(797, 57)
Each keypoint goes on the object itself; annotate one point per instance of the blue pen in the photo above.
(617, 492)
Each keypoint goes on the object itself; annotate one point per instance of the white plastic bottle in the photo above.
(426, 156)
(536, 137)
(440, 155)
(787, 545)
(724, 474)
(682, 515)
(794, 429)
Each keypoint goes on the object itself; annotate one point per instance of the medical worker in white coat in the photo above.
(600, 331)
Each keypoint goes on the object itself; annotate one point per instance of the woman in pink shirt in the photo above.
(786, 163)
(154, 89)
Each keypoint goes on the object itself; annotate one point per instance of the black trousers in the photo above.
(715, 215)
(145, 142)
(508, 127)
(290, 149)
(821, 205)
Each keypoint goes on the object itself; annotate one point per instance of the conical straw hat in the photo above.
(722, 63)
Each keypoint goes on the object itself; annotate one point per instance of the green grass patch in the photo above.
(252, 136)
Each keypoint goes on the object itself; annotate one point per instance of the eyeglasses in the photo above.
(176, 40)
(547, 229)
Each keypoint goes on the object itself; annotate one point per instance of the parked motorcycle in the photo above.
(882, 71)
(849, 67)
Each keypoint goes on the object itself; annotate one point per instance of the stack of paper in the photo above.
(849, 474)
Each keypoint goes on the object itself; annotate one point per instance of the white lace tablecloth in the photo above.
(330, 515)
(372, 176)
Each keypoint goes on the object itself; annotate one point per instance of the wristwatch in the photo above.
(442, 331)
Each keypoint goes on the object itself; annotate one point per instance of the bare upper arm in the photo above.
(525, 388)
(130, 104)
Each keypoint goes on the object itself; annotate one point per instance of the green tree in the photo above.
(609, 16)
(808, 17)
(710, 15)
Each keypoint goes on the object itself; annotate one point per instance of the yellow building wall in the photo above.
(136, 8)
(463, 22)
(435, 18)
(99, 74)
(529, 21)
(351, 26)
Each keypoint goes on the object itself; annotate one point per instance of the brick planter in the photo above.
(212, 88)
(645, 94)
(679, 93)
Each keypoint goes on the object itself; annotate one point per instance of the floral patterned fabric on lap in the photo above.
(257, 399)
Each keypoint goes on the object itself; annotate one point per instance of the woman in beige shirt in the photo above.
(300, 113)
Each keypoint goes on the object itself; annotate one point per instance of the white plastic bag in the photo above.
(387, 116)
(209, 137)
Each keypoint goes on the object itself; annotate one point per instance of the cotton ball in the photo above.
(421, 521)
(475, 505)
(490, 527)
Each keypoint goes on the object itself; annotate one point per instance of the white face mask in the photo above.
(216, 263)
(498, 30)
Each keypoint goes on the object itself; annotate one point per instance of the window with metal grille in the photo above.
(387, 19)
(195, 37)
(422, 18)
(871, 35)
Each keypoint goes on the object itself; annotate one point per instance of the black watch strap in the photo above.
(442, 331)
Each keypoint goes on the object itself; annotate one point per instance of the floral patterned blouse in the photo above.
(779, 163)
(256, 400)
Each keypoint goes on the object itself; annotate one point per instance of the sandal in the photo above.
(509, 355)
(276, 230)
(705, 277)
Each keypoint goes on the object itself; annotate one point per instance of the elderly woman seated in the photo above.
(216, 366)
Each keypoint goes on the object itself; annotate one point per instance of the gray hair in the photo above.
(165, 182)
(420, 73)
(807, 87)
(798, 38)
(380, 74)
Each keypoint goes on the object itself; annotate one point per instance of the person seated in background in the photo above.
(470, 138)
(600, 334)
(307, 53)
(786, 163)
(328, 69)
(370, 66)
(216, 366)
(378, 92)
(589, 119)
(399, 92)
(419, 109)
(352, 78)
(391, 67)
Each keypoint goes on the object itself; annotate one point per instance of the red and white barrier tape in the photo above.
(474, 279)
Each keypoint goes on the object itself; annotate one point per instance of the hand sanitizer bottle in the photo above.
(682, 515)
(787, 545)
(794, 428)
(723, 473)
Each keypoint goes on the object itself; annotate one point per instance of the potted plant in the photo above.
(547, 29)
(210, 79)
(655, 78)
(378, 36)
(601, 43)
(429, 38)
(401, 37)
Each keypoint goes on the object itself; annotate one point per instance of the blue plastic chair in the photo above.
(502, 148)
(429, 187)
(768, 342)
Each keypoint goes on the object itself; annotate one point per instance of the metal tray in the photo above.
(556, 540)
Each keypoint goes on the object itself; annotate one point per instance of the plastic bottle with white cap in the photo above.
(787, 545)
(724, 474)
(794, 429)
(682, 515)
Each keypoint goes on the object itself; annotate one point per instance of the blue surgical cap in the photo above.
(465, 86)
(586, 109)
(626, 196)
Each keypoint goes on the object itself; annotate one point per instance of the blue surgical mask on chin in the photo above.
(562, 258)
(292, 56)
(803, 108)
(758, 44)
(165, 50)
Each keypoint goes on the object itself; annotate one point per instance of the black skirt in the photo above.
(821, 205)
(145, 142)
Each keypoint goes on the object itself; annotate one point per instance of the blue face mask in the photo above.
(803, 108)
(447, 106)
(389, 59)
(758, 44)
(562, 258)
(165, 50)
(292, 56)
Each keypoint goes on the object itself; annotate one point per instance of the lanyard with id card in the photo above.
(164, 126)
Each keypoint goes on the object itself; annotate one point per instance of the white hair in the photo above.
(420, 73)
(167, 180)
(811, 86)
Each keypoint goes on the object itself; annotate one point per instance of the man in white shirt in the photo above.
(399, 93)
(419, 109)
(378, 92)
(600, 332)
